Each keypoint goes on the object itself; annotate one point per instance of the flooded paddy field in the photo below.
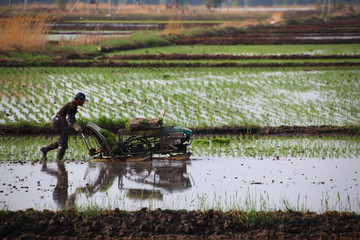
(202, 96)
(236, 174)
(231, 185)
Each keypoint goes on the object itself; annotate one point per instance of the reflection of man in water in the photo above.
(60, 194)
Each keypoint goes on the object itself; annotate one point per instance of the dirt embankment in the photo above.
(124, 64)
(181, 224)
(284, 130)
(178, 56)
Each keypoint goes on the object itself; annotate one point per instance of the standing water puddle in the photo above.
(198, 184)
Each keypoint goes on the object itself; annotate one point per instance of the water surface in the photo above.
(198, 184)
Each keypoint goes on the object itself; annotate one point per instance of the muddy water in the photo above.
(200, 183)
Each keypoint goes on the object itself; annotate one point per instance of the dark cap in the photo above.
(80, 96)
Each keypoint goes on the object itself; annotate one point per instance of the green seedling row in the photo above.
(19, 149)
(278, 147)
(255, 208)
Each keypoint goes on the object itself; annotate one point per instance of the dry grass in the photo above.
(245, 23)
(277, 17)
(23, 33)
(172, 28)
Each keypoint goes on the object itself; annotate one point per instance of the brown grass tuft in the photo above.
(277, 17)
(246, 23)
(172, 28)
(23, 33)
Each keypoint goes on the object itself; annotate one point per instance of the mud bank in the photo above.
(282, 130)
(169, 224)
(325, 130)
(177, 56)
(265, 39)
(125, 64)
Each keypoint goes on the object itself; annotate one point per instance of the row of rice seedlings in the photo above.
(28, 99)
(261, 202)
(256, 206)
(250, 203)
(18, 149)
(277, 147)
(193, 98)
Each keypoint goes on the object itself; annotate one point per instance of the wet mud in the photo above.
(121, 26)
(266, 39)
(327, 130)
(169, 224)
(125, 64)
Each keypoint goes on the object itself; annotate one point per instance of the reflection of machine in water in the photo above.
(141, 180)
(160, 174)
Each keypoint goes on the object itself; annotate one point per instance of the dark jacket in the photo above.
(68, 111)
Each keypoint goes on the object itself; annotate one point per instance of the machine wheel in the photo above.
(101, 142)
(138, 146)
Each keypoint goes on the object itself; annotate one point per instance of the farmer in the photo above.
(63, 118)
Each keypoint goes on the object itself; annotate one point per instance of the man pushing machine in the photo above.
(61, 122)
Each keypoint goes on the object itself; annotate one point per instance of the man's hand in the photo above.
(77, 127)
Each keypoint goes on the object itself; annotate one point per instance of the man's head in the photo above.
(80, 98)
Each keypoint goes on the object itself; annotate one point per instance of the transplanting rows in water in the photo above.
(193, 98)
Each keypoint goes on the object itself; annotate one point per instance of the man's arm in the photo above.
(70, 116)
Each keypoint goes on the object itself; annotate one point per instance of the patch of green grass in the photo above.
(80, 49)
(252, 219)
(39, 57)
(137, 40)
(312, 49)
(220, 141)
(201, 143)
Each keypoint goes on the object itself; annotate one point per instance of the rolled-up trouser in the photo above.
(61, 128)
(62, 139)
